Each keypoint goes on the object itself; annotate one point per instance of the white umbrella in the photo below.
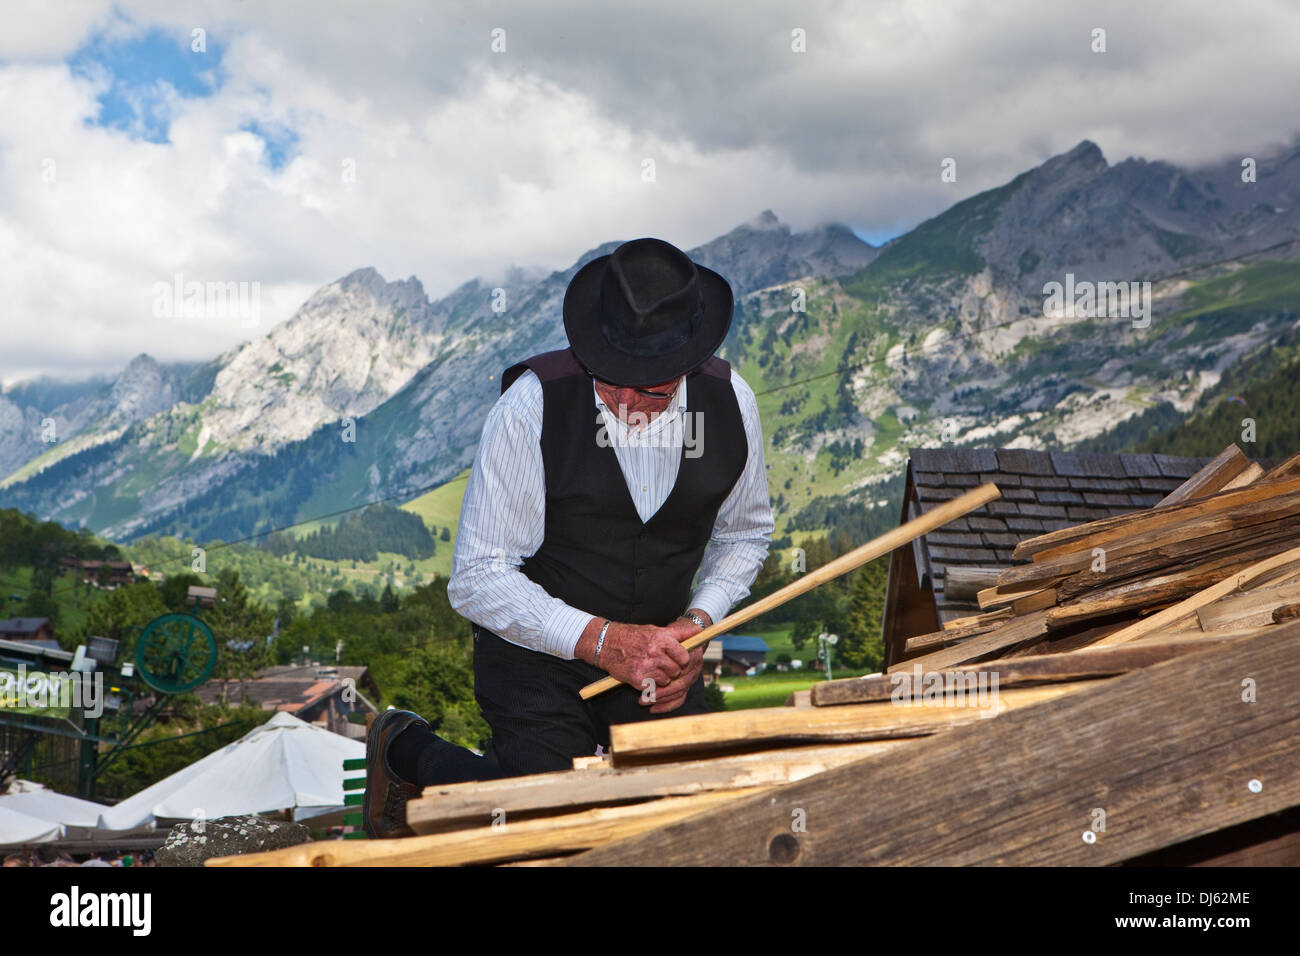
(285, 763)
(17, 829)
(74, 815)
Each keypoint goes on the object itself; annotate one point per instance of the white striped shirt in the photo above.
(503, 515)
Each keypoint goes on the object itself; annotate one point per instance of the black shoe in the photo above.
(384, 809)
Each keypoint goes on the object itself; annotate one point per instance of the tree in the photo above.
(121, 615)
(241, 627)
(861, 644)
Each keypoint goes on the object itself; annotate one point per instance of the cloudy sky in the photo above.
(289, 143)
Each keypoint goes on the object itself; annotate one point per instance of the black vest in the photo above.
(597, 555)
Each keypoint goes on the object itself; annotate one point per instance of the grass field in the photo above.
(440, 508)
(74, 599)
(772, 688)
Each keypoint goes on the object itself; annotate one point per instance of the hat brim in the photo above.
(594, 351)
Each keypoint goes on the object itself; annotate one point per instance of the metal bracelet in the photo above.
(696, 619)
(600, 642)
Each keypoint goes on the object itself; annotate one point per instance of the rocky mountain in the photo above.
(369, 388)
(45, 420)
(945, 334)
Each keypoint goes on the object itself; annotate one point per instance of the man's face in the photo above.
(654, 397)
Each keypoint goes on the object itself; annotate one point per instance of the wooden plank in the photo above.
(513, 840)
(1105, 530)
(964, 583)
(478, 803)
(1253, 473)
(1014, 632)
(927, 642)
(1216, 474)
(1237, 582)
(1161, 589)
(1034, 602)
(889, 541)
(677, 737)
(1023, 671)
(1265, 520)
(1176, 554)
(995, 597)
(1167, 752)
(1243, 607)
(1288, 469)
(979, 620)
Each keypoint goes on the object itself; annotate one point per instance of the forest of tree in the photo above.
(360, 536)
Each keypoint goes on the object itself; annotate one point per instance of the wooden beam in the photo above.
(1252, 474)
(1174, 555)
(1288, 469)
(1236, 582)
(1244, 608)
(1156, 546)
(979, 620)
(1214, 476)
(1105, 530)
(1016, 631)
(942, 638)
(1168, 753)
(677, 737)
(513, 840)
(477, 803)
(964, 583)
(1160, 589)
(1023, 671)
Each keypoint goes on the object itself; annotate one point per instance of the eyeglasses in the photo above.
(648, 391)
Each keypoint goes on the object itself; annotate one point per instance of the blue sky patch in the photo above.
(144, 72)
(280, 140)
(877, 237)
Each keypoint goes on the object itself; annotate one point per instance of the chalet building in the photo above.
(326, 695)
(740, 653)
(28, 629)
(106, 574)
(935, 579)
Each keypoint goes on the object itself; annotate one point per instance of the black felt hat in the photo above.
(645, 313)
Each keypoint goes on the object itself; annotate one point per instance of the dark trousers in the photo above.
(539, 722)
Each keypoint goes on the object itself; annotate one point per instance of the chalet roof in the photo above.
(1041, 491)
(739, 643)
(290, 687)
(23, 625)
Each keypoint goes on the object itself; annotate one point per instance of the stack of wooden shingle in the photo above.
(1216, 553)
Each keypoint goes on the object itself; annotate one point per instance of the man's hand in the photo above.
(635, 653)
(672, 695)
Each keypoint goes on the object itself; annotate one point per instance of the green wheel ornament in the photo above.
(176, 653)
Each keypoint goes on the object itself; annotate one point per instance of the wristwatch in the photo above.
(699, 622)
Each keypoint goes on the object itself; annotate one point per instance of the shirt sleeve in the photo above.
(502, 521)
(743, 529)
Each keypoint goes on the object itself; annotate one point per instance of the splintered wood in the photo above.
(1213, 556)
(1093, 658)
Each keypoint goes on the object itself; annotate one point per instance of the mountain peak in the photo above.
(1087, 154)
(765, 220)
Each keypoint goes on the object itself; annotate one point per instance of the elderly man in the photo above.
(608, 475)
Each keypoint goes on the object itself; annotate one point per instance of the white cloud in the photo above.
(466, 161)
